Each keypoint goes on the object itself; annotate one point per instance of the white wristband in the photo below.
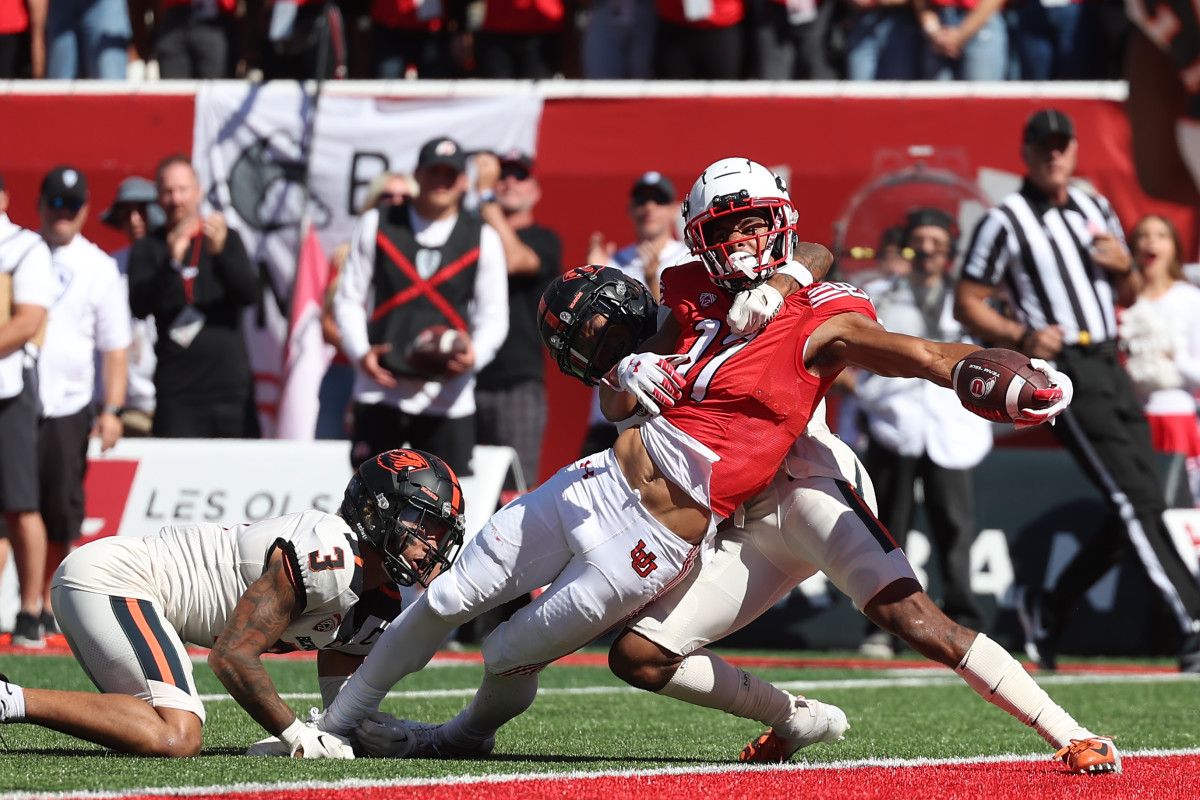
(798, 272)
(291, 735)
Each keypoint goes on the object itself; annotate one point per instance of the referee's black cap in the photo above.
(1046, 123)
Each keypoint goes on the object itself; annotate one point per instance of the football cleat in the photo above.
(811, 722)
(383, 736)
(1032, 614)
(1091, 756)
(428, 743)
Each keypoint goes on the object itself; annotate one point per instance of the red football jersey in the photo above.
(747, 398)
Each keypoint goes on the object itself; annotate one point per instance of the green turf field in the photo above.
(585, 719)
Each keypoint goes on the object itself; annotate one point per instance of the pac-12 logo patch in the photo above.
(707, 299)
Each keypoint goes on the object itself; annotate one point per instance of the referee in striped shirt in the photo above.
(1059, 254)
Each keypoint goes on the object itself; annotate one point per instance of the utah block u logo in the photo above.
(643, 562)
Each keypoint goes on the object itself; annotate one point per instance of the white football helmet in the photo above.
(729, 186)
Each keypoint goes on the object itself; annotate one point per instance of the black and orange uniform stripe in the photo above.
(154, 648)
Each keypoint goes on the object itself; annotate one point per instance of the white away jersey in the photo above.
(196, 574)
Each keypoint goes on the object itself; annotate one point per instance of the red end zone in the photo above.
(1172, 777)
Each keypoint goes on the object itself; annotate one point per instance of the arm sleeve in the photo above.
(354, 288)
(489, 317)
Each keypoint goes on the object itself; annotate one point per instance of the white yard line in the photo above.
(887, 680)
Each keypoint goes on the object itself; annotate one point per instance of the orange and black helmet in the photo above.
(402, 497)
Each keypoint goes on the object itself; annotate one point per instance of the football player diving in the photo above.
(818, 514)
(678, 467)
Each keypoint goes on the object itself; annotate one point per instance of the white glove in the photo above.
(651, 378)
(383, 736)
(753, 308)
(306, 740)
(1059, 394)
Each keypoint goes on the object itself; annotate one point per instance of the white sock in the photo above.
(499, 699)
(705, 679)
(12, 702)
(1000, 679)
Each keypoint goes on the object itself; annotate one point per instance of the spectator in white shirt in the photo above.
(439, 265)
(89, 314)
(918, 430)
(1160, 334)
(26, 291)
(135, 212)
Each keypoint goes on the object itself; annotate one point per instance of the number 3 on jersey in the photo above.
(318, 562)
(707, 331)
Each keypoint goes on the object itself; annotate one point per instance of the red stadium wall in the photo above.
(591, 149)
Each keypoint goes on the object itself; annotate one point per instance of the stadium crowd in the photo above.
(591, 39)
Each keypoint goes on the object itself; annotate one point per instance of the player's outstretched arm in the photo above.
(857, 340)
(257, 622)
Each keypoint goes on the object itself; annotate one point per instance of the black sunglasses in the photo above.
(641, 198)
(60, 203)
(514, 171)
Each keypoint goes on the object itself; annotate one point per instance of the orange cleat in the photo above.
(1091, 756)
(811, 722)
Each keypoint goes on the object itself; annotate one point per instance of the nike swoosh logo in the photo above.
(1102, 749)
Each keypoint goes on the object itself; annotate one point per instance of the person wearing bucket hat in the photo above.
(135, 212)
(135, 196)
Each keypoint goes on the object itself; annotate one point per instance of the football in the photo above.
(432, 350)
(996, 383)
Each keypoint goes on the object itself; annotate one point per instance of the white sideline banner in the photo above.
(140, 485)
(1184, 525)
